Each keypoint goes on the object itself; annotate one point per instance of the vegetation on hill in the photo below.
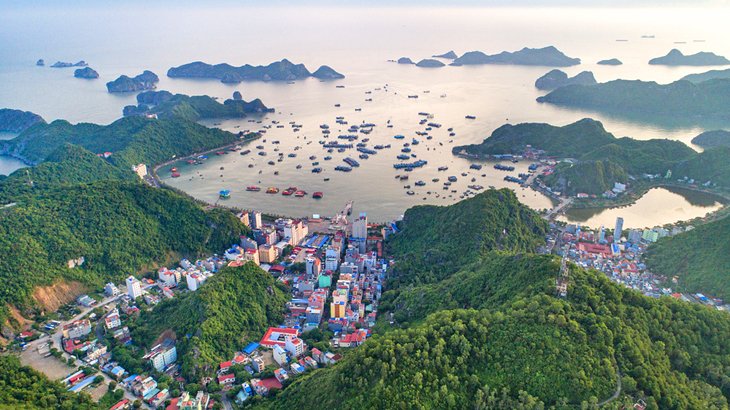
(118, 227)
(700, 258)
(234, 307)
(24, 388)
(710, 165)
(165, 105)
(17, 120)
(602, 159)
(436, 241)
(131, 140)
(535, 350)
(679, 102)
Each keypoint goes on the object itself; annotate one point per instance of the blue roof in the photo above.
(250, 348)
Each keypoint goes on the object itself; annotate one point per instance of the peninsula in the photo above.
(677, 58)
(164, 104)
(17, 121)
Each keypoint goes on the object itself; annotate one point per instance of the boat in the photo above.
(452, 179)
(443, 168)
(271, 163)
(316, 170)
(292, 155)
(317, 195)
(175, 175)
(327, 158)
(224, 194)
(312, 158)
(289, 191)
(410, 166)
(502, 167)
(475, 166)
(363, 156)
(410, 192)
(299, 166)
(406, 150)
(399, 137)
(415, 142)
(470, 117)
(420, 183)
(403, 157)
(253, 188)
(300, 193)
(351, 162)
(173, 169)
(343, 168)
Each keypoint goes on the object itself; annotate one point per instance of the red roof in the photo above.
(269, 342)
(225, 377)
(225, 365)
(119, 405)
(271, 383)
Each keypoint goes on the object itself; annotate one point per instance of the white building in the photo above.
(111, 289)
(134, 289)
(279, 355)
(360, 227)
(194, 281)
(162, 355)
(295, 346)
(169, 277)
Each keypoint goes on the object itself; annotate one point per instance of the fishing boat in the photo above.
(316, 170)
(476, 166)
(410, 192)
(343, 168)
(443, 168)
(363, 156)
(470, 117)
(452, 179)
(420, 183)
(403, 157)
(351, 162)
(289, 191)
(175, 175)
(224, 194)
(173, 169)
(300, 193)
(253, 188)
(399, 137)
(502, 167)
(317, 195)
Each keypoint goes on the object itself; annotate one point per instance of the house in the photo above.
(224, 367)
(112, 320)
(121, 405)
(226, 379)
(281, 375)
(162, 355)
(295, 346)
(111, 289)
(278, 336)
(77, 329)
(279, 355)
(258, 364)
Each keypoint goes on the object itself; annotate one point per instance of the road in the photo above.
(564, 203)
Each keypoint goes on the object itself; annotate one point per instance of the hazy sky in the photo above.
(586, 3)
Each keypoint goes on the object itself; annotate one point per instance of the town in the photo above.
(335, 269)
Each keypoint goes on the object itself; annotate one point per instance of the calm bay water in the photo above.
(357, 42)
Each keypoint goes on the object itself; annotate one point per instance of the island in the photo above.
(40, 62)
(17, 121)
(86, 72)
(145, 81)
(283, 70)
(592, 160)
(712, 139)
(610, 61)
(62, 64)
(430, 63)
(404, 60)
(557, 78)
(677, 58)
(547, 56)
(708, 75)
(449, 55)
(680, 103)
(163, 104)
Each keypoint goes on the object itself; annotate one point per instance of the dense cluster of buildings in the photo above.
(618, 254)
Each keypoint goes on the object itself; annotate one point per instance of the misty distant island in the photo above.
(283, 70)
(405, 60)
(708, 75)
(677, 58)
(449, 55)
(546, 56)
(680, 101)
(86, 73)
(17, 121)
(164, 104)
(712, 139)
(425, 63)
(145, 81)
(40, 62)
(63, 64)
(610, 61)
(557, 78)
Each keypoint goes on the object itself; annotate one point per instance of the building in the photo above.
(618, 229)
(112, 320)
(267, 253)
(278, 336)
(360, 231)
(650, 235)
(325, 281)
(254, 218)
(295, 346)
(79, 328)
(111, 289)
(314, 266)
(279, 355)
(134, 289)
(634, 236)
(252, 255)
(243, 217)
(194, 280)
(162, 355)
(140, 170)
(168, 277)
(226, 379)
(295, 231)
(258, 364)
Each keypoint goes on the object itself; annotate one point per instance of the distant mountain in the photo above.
(449, 55)
(283, 70)
(679, 102)
(124, 84)
(709, 75)
(556, 78)
(547, 56)
(430, 63)
(711, 139)
(699, 258)
(18, 121)
(610, 61)
(676, 58)
(63, 64)
(163, 104)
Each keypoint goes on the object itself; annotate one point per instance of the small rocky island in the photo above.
(405, 60)
(712, 139)
(17, 121)
(40, 62)
(145, 81)
(676, 58)
(86, 72)
(556, 79)
(164, 104)
(708, 75)
(610, 61)
(283, 70)
(449, 55)
(547, 56)
(430, 63)
(62, 64)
